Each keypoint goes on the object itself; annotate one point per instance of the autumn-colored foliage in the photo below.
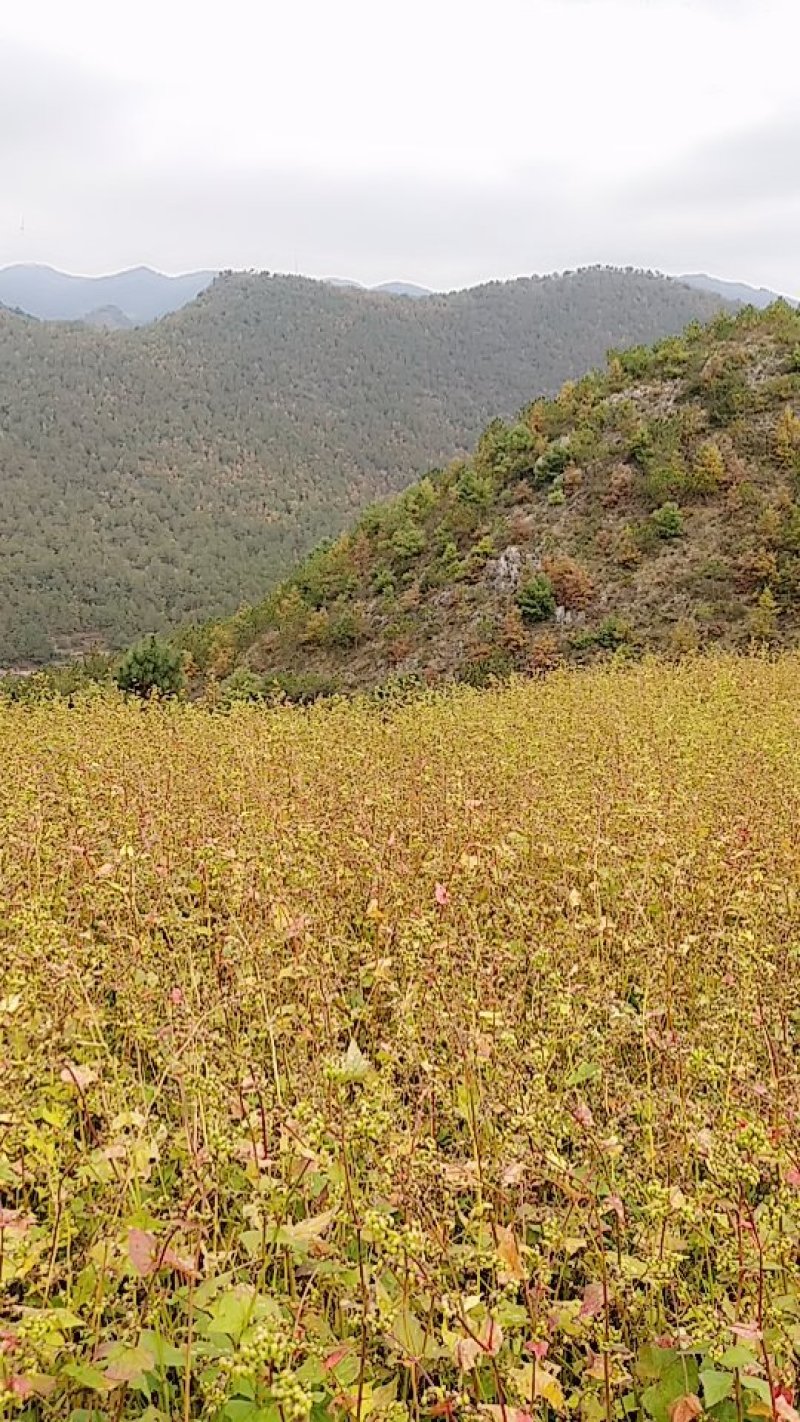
(426, 1057)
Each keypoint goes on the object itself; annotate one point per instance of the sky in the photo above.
(444, 142)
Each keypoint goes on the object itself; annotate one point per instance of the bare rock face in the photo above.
(505, 572)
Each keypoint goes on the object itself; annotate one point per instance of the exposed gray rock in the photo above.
(506, 571)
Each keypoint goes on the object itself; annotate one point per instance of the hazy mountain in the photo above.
(167, 473)
(403, 288)
(651, 505)
(140, 294)
(735, 290)
(387, 288)
(108, 318)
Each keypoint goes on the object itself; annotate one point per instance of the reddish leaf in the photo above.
(613, 1202)
(334, 1359)
(445, 1408)
(442, 895)
(178, 1262)
(467, 1351)
(78, 1076)
(538, 1348)
(15, 1222)
(593, 1301)
(750, 1332)
(142, 1251)
(685, 1409)
(491, 1338)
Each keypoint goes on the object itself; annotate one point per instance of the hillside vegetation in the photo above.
(157, 475)
(420, 1062)
(651, 505)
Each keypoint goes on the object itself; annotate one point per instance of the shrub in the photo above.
(621, 485)
(346, 628)
(383, 582)
(536, 600)
(764, 617)
(555, 460)
(613, 632)
(667, 521)
(408, 541)
(475, 488)
(486, 665)
(242, 685)
(478, 556)
(152, 667)
(708, 470)
(571, 583)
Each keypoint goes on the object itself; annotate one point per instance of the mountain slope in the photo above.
(167, 473)
(140, 294)
(758, 296)
(652, 505)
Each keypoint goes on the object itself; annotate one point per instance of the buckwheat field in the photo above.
(430, 1059)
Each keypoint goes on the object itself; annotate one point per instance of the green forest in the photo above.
(168, 474)
(652, 505)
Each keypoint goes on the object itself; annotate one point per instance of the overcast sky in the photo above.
(441, 141)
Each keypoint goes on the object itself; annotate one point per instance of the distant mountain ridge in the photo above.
(133, 297)
(758, 296)
(140, 294)
(160, 475)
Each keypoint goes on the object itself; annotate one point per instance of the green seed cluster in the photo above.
(291, 1396)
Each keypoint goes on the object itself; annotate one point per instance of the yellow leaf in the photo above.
(509, 1252)
(547, 1386)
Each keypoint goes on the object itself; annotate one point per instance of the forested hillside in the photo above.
(165, 474)
(651, 505)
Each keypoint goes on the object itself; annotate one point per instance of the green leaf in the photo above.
(409, 1333)
(382, 1396)
(63, 1318)
(165, 1354)
(354, 1066)
(654, 1362)
(208, 1290)
(724, 1411)
(759, 1386)
(716, 1386)
(585, 1071)
(738, 1357)
(85, 1375)
(679, 1379)
(299, 1237)
(236, 1309)
(240, 1409)
(128, 1365)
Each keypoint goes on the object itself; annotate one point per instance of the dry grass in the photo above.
(419, 1062)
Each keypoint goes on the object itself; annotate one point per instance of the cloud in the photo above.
(51, 110)
(753, 166)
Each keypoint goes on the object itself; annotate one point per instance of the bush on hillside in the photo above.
(667, 521)
(151, 668)
(536, 600)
